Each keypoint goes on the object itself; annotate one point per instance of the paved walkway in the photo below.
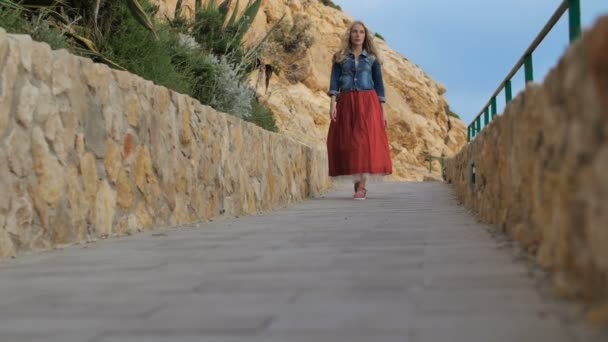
(408, 264)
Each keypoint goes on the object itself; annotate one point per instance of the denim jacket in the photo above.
(367, 75)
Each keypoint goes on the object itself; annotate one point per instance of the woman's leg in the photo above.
(359, 181)
(360, 191)
(362, 183)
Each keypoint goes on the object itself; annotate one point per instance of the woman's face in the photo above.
(357, 35)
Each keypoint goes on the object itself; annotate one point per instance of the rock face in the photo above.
(540, 171)
(104, 152)
(415, 104)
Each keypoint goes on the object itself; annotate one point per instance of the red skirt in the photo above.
(357, 142)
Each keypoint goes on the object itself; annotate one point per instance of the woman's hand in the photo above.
(332, 111)
(384, 117)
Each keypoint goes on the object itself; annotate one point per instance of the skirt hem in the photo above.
(369, 177)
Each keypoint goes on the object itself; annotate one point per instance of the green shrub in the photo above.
(294, 37)
(262, 116)
(331, 4)
(220, 34)
(230, 94)
(83, 22)
(202, 58)
(37, 26)
(208, 32)
(379, 36)
(215, 80)
(286, 47)
(288, 38)
(450, 113)
(135, 48)
(297, 71)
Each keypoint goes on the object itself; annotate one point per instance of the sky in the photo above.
(470, 46)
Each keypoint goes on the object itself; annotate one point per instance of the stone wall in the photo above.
(89, 152)
(541, 171)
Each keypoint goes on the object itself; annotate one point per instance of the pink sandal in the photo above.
(359, 194)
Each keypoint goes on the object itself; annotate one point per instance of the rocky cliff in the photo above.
(418, 120)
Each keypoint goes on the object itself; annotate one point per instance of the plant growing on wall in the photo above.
(83, 21)
(202, 56)
(212, 52)
(331, 4)
(286, 49)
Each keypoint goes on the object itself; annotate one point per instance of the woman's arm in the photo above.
(379, 87)
(378, 80)
(336, 71)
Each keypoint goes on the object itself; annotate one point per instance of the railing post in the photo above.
(528, 68)
(508, 93)
(478, 124)
(469, 133)
(493, 107)
(486, 117)
(475, 132)
(574, 16)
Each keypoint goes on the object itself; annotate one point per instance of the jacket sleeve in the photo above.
(378, 81)
(336, 72)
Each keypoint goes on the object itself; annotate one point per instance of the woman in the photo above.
(357, 144)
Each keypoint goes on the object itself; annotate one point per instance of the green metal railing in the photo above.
(489, 109)
(430, 158)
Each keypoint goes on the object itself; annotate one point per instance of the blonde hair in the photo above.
(346, 46)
